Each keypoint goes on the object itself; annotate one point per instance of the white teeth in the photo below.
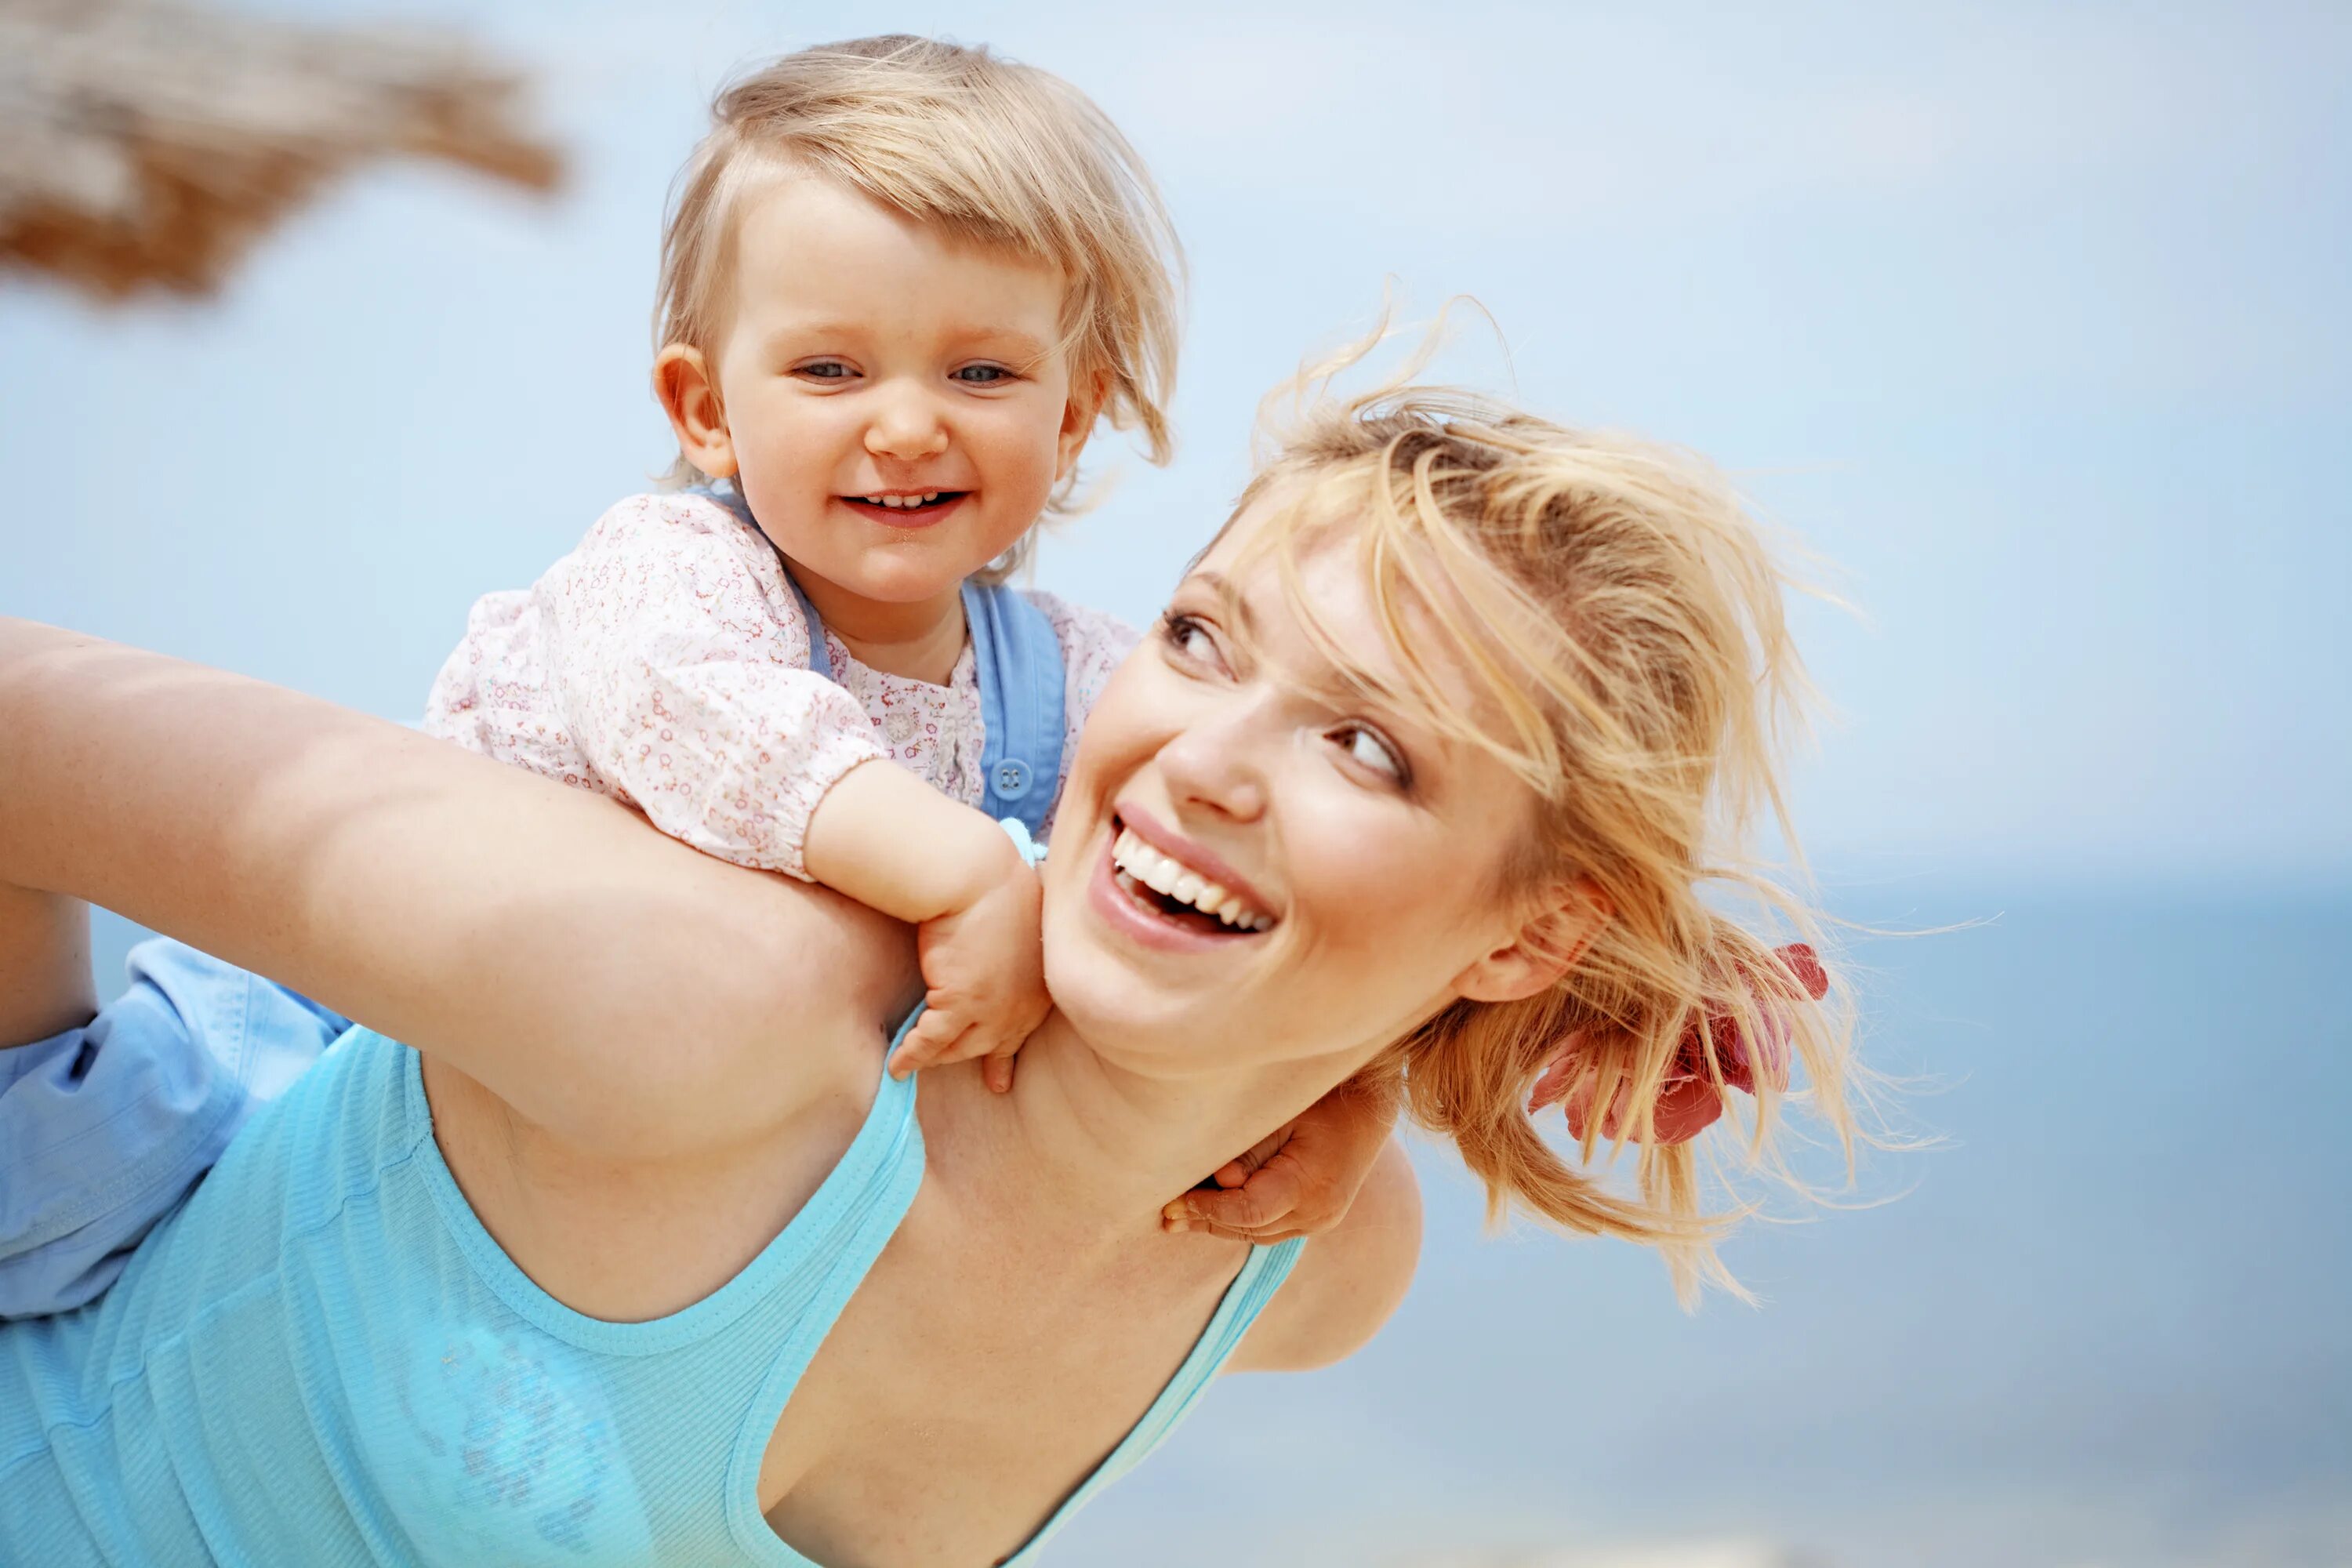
(901, 503)
(930, 496)
(1172, 879)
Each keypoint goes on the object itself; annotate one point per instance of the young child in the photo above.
(902, 281)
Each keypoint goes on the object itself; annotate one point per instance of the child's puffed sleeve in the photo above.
(679, 656)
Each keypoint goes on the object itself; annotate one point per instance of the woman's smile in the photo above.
(1126, 890)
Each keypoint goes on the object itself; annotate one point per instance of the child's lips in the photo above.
(909, 517)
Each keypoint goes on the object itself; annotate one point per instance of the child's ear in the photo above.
(1545, 949)
(1078, 416)
(689, 394)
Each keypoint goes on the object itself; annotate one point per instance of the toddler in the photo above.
(901, 283)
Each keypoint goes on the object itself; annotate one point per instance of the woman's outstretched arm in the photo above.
(602, 980)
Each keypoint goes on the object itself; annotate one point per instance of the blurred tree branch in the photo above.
(146, 145)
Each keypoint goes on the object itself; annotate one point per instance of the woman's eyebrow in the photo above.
(1229, 599)
(1340, 685)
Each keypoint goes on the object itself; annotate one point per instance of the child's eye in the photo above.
(823, 370)
(983, 375)
(1368, 748)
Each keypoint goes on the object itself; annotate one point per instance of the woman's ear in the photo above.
(689, 394)
(1078, 416)
(1544, 949)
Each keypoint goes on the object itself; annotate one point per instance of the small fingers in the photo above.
(996, 1072)
(1265, 1202)
(934, 1039)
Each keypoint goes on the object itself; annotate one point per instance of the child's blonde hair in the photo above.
(1616, 604)
(992, 152)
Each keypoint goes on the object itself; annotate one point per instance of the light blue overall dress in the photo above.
(104, 1128)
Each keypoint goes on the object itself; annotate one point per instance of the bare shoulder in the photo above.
(1348, 1282)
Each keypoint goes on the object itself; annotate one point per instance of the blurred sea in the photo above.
(2104, 1323)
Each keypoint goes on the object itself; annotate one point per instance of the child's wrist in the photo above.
(894, 844)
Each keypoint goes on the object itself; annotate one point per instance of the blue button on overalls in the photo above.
(1012, 778)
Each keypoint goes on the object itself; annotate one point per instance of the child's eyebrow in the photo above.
(1017, 344)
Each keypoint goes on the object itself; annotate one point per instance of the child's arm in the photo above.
(1303, 1180)
(678, 663)
(679, 656)
(895, 844)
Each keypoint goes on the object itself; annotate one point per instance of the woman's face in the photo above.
(1353, 856)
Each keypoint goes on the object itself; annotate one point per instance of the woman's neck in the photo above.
(1090, 1152)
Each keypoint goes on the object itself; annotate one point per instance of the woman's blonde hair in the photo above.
(1618, 607)
(991, 152)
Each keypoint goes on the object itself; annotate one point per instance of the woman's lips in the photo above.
(1197, 856)
(908, 517)
(1148, 926)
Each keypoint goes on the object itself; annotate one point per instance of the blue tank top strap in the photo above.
(1018, 660)
(1245, 1300)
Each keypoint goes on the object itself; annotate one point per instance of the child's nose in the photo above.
(906, 424)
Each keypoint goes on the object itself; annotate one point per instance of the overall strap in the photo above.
(1018, 660)
(732, 500)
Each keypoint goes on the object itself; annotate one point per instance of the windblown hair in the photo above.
(990, 152)
(1620, 610)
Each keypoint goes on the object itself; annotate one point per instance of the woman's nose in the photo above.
(1218, 762)
(906, 424)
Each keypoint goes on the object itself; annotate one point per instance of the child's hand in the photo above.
(894, 842)
(1301, 1181)
(984, 977)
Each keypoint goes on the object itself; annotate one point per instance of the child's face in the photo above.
(871, 360)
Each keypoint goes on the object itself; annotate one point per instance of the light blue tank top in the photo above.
(322, 1358)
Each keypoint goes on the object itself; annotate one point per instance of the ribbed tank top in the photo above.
(322, 1358)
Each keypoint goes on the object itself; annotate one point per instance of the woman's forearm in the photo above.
(596, 976)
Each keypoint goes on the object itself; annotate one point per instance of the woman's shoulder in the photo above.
(1347, 1282)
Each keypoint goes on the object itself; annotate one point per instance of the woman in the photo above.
(637, 1257)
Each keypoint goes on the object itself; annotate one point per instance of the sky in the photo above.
(2032, 325)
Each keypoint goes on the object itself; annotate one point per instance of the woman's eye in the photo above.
(1366, 747)
(1188, 637)
(983, 375)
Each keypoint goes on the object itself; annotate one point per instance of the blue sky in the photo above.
(2034, 324)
